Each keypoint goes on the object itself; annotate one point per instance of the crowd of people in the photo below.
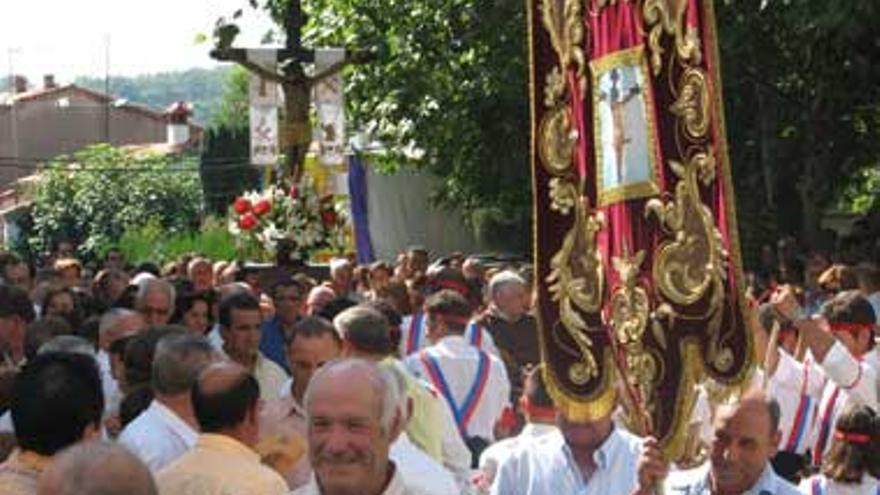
(420, 376)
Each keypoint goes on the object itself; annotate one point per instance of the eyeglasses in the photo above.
(149, 311)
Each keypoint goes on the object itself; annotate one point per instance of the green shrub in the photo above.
(151, 243)
(101, 192)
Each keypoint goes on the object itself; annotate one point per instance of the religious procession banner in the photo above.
(263, 103)
(635, 228)
(330, 107)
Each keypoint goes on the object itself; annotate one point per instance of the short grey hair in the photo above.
(178, 360)
(110, 318)
(70, 344)
(366, 329)
(383, 382)
(148, 285)
(503, 280)
(97, 468)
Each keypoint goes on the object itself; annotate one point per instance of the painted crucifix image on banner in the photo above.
(624, 123)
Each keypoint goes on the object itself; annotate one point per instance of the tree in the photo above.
(102, 191)
(803, 107)
(448, 82)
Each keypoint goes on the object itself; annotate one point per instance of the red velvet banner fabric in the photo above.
(635, 230)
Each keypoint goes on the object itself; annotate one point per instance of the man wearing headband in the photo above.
(797, 397)
(473, 382)
(413, 327)
(841, 342)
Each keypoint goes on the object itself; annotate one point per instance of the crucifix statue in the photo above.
(617, 101)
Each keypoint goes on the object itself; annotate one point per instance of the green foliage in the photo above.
(803, 107)
(449, 79)
(204, 88)
(225, 162)
(232, 111)
(102, 192)
(151, 242)
(862, 193)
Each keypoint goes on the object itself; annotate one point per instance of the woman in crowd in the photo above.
(853, 463)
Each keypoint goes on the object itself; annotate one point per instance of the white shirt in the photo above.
(158, 436)
(696, 482)
(459, 362)
(546, 466)
(819, 485)
(396, 486)
(496, 454)
(796, 387)
(271, 377)
(850, 381)
(112, 395)
(413, 336)
(214, 337)
(846, 380)
(421, 474)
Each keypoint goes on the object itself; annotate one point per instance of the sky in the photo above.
(69, 38)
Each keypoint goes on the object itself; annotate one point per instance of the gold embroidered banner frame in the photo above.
(623, 118)
(640, 275)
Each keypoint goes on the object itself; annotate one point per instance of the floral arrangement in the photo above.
(298, 221)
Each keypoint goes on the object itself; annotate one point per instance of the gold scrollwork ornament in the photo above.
(667, 16)
(576, 277)
(692, 104)
(564, 24)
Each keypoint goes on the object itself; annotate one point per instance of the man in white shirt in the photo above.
(583, 458)
(429, 426)
(167, 429)
(746, 435)
(115, 324)
(353, 415)
(473, 382)
(841, 343)
(540, 415)
(240, 324)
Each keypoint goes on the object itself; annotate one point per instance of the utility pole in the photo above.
(296, 131)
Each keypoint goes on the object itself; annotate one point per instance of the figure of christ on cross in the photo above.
(617, 101)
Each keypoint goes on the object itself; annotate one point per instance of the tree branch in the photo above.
(351, 58)
(239, 56)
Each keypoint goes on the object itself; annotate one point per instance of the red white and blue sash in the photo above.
(465, 411)
(802, 416)
(825, 428)
(475, 334)
(416, 332)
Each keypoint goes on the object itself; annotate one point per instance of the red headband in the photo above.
(453, 285)
(857, 438)
(537, 412)
(850, 327)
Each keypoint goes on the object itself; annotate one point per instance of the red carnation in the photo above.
(241, 206)
(247, 222)
(262, 207)
(328, 217)
(294, 192)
